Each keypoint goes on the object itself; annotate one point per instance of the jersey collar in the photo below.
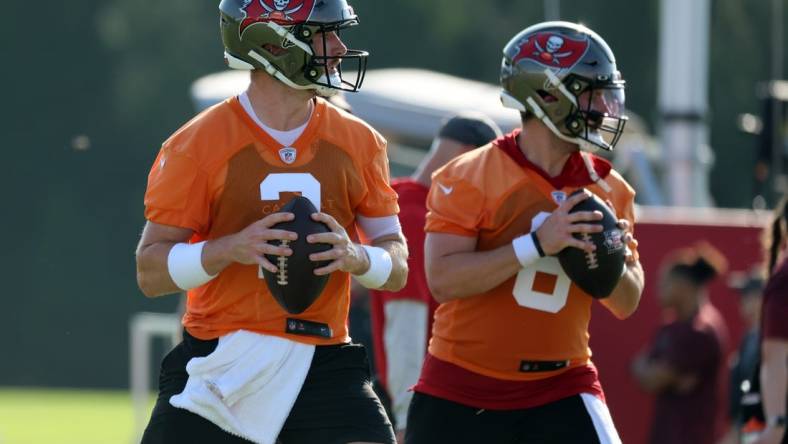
(574, 173)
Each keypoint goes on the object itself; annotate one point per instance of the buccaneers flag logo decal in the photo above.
(279, 11)
(552, 50)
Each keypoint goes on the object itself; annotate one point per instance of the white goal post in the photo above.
(143, 328)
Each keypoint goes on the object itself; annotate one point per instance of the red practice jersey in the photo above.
(413, 211)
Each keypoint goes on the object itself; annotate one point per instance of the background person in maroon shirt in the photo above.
(774, 333)
(681, 367)
(402, 321)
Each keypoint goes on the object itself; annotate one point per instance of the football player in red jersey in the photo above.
(247, 370)
(509, 360)
(401, 321)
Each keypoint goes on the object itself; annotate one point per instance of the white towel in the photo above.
(248, 385)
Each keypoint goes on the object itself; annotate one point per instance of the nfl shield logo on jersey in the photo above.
(287, 154)
(558, 196)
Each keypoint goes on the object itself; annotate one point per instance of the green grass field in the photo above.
(47, 416)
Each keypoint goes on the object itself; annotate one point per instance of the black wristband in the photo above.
(537, 244)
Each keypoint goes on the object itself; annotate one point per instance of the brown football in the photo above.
(295, 286)
(598, 272)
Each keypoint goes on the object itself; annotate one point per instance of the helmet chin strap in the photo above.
(323, 91)
(593, 174)
(585, 146)
(331, 79)
(510, 102)
(272, 70)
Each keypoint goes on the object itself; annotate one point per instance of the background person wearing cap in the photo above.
(402, 321)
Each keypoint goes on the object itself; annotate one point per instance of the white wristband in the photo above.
(185, 265)
(525, 249)
(379, 268)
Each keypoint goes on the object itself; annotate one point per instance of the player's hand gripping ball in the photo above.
(596, 272)
(295, 286)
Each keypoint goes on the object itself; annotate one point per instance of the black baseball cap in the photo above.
(470, 128)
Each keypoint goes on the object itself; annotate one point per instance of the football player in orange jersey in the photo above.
(247, 370)
(509, 360)
(401, 321)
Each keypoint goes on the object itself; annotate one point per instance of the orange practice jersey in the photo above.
(538, 314)
(221, 172)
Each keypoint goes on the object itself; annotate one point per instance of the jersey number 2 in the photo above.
(303, 183)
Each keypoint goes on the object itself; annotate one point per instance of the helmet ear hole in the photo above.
(546, 96)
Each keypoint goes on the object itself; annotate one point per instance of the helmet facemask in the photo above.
(318, 68)
(598, 116)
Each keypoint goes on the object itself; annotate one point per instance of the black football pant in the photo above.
(433, 420)
(336, 404)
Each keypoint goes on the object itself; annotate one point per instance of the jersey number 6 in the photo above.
(552, 289)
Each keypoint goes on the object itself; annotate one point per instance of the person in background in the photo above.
(744, 362)
(681, 367)
(774, 333)
(402, 321)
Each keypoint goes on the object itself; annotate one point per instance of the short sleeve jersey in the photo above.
(495, 194)
(221, 172)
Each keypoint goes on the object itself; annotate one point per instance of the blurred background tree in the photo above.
(95, 87)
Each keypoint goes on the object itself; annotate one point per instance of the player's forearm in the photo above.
(398, 250)
(153, 277)
(153, 274)
(216, 254)
(626, 296)
(465, 274)
(774, 376)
